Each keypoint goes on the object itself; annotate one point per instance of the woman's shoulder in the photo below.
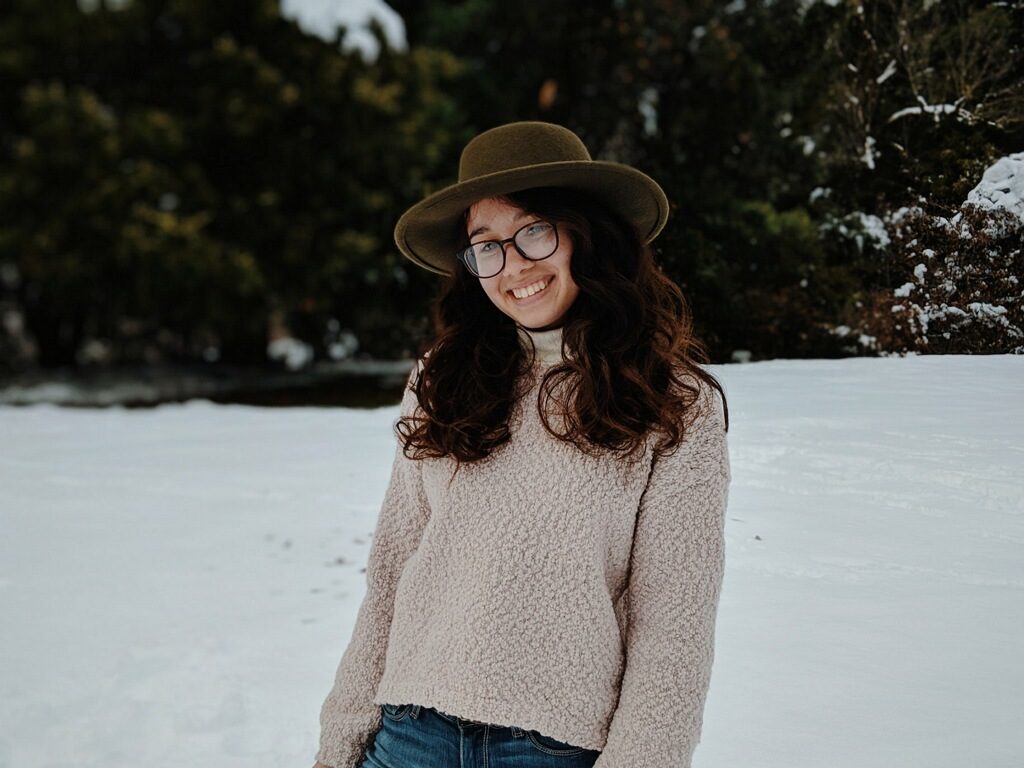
(699, 419)
(410, 400)
(706, 398)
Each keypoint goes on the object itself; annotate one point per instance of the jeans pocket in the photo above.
(552, 746)
(395, 711)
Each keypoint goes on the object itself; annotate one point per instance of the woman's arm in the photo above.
(348, 717)
(675, 580)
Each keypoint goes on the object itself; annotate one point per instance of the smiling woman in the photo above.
(544, 576)
(524, 271)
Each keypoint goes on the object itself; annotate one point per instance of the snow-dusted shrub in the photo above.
(949, 285)
(956, 285)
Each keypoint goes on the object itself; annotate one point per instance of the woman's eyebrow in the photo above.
(478, 230)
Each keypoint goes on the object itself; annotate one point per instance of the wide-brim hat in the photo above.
(518, 156)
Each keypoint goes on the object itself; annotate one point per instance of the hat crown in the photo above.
(516, 145)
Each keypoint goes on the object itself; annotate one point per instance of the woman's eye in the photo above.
(538, 229)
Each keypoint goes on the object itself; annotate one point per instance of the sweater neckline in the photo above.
(548, 343)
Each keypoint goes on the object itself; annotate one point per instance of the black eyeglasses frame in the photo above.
(463, 259)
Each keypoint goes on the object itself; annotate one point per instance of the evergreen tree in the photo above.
(176, 174)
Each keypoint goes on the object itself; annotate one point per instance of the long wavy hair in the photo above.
(633, 355)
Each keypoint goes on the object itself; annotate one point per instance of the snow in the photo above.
(323, 17)
(866, 341)
(904, 290)
(935, 110)
(818, 192)
(870, 153)
(12, 321)
(804, 5)
(647, 105)
(861, 224)
(294, 353)
(178, 583)
(875, 227)
(899, 214)
(1002, 186)
(996, 315)
(889, 71)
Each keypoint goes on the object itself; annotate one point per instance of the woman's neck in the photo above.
(548, 342)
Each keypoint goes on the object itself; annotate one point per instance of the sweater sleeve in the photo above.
(675, 579)
(349, 718)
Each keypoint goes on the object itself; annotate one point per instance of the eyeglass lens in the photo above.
(536, 241)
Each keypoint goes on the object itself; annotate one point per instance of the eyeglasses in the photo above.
(534, 241)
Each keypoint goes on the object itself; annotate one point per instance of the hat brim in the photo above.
(426, 232)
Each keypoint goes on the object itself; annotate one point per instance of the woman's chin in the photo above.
(538, 319)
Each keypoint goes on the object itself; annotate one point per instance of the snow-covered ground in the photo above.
(177, 584)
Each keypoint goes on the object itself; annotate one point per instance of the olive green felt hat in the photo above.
(518, 156)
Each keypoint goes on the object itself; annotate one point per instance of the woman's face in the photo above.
(492, 219)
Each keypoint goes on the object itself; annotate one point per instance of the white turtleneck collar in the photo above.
(548, 343)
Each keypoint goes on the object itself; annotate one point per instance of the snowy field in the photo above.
(177, 585)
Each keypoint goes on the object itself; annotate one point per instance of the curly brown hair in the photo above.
(634, 360)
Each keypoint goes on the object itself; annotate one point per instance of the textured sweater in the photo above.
(570, 594)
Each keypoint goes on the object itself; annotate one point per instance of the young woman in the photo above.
(543, 582)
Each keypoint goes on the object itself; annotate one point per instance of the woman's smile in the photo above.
(536, 295)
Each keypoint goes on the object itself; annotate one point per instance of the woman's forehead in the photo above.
(490, 208)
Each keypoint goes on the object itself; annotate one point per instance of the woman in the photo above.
(544, 577)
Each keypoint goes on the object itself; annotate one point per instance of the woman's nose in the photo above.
(515, 262)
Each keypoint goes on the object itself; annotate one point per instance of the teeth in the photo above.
(522, 293)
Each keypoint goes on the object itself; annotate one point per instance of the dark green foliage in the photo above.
(184, 170)
(178, 175)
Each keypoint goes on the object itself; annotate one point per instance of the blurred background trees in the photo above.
(182, 180)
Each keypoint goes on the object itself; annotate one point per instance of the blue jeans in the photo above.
(413, 736)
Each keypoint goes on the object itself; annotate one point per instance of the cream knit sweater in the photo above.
(544, 588)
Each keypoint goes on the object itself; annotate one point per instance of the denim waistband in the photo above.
(463, 721)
